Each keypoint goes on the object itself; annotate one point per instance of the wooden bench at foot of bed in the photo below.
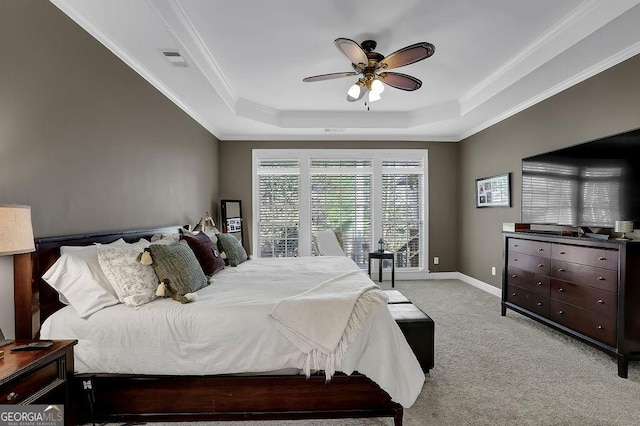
(418, 328)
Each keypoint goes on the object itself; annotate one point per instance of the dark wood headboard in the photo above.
(34, 299)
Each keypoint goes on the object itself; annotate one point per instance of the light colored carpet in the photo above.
(494, 370)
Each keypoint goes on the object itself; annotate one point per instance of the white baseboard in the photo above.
(466, 279)
(444, 276)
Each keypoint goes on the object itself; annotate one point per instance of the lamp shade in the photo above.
(623, 226)
(16, 232)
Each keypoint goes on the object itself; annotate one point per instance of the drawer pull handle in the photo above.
(599, 327)
(12, 396)
(602, 258)
(540, 265)
(514, 294)
(560, 269)
(561, 290)
(560, 312)
(514, 276)
(515, 245)
(515, 259)
(539, 283)
(600, 301)
(539, 303)
(600, 278)
(540, 249)
(563, 252)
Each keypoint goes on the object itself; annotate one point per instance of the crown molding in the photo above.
(580, 23)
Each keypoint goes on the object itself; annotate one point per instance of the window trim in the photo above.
(377, 156)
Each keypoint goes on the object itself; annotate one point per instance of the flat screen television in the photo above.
(592, 184)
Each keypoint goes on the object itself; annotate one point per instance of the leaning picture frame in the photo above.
(494, 191)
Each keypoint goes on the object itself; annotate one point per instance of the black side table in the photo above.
(382, 255)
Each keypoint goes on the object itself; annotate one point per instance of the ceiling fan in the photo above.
(372, 66)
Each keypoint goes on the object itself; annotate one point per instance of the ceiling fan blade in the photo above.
(408, 55)
(352, 51)
(400, 81)
(331, 76)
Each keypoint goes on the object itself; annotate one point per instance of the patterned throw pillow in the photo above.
(134, 283)
(206, 252)
(177, 267)
(236, 254)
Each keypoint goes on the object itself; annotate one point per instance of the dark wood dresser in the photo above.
(585, 287)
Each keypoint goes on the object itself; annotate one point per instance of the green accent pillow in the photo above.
(236, 254)
(177, 267)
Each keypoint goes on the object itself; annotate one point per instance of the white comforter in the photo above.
(226, 330)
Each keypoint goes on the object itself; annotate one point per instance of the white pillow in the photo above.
(90, 255)
(171, 238)
(79, 283)
(328, 243)
(79, 280)
(134, 283)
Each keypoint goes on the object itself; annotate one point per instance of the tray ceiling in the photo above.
(245, 60)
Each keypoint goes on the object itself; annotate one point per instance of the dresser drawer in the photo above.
(529, 300)
(17, 392)
(605, 279)
(592, 299)
(536, 248)
(528, 280)
(586, 322)
(527, 262)
(601, 258)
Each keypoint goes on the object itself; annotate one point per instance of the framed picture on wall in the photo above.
(494, 191)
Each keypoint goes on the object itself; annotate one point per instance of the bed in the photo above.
(181, 387)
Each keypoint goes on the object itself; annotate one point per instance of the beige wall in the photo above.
(235, 183)
(87, 142)
(606, 104)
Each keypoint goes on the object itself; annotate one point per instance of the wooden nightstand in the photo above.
(384, 255)
(37, 377)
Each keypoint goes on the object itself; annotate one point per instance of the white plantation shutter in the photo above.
(279, 206)
(402, 210)
(343, 203)
(363, 194)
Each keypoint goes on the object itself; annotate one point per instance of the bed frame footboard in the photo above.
(123, 398)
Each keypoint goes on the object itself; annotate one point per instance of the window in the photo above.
(364, 194)
(278, 183)
(342, 202)
(402, 211)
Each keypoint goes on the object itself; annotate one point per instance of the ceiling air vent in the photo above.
(175, 57)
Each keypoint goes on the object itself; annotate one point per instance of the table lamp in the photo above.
(16, 236)
(623, 226)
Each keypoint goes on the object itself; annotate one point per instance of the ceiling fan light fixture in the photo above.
(373, 96)
(377, 86)
(354, 91)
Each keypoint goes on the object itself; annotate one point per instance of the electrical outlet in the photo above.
(436, 260)
(493, 270)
